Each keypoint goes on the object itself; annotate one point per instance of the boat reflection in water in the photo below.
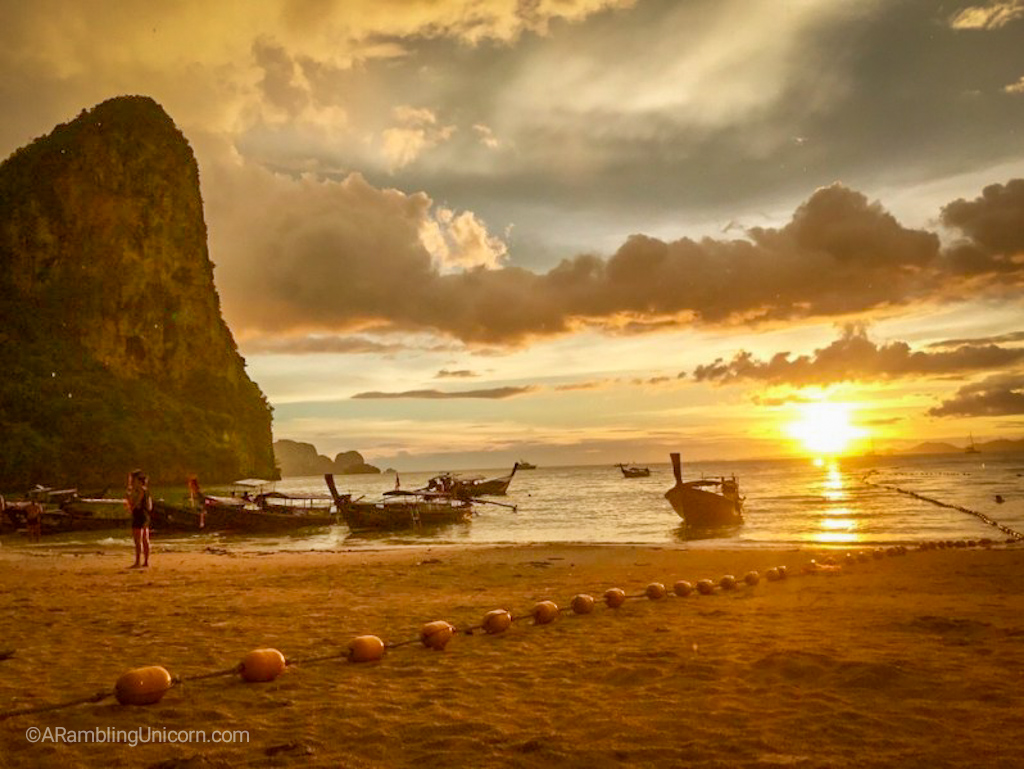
(684, 533)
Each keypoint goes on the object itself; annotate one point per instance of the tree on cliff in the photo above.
(115, 352)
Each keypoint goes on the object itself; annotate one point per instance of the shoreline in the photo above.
(913, 659)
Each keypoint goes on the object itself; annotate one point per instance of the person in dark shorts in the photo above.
(140, 505)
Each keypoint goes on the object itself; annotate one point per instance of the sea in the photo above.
(858, 502)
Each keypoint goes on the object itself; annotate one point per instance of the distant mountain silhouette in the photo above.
(999, 446)
(301, 459)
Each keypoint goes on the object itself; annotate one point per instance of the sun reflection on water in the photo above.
(837, 524)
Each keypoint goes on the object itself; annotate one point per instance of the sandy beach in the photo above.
(914, 660)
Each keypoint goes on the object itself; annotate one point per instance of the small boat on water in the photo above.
(971, 447)
(524, 465)
(400, 509)
(705, 503)
(461, 487)
(634, 471)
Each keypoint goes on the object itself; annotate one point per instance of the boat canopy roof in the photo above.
(253, 482)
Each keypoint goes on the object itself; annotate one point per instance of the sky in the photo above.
(457, 233)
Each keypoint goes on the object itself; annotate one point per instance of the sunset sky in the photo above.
(454, 234)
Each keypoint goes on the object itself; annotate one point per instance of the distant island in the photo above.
(300, 459)
(999, 446)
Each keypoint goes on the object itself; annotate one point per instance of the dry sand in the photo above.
(908, 661)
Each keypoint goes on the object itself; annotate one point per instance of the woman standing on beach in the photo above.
(140, 504)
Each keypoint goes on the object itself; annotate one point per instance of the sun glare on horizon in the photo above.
(824, 428)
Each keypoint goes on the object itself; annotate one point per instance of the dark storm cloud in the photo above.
(1016, 336)
(336, 257)
(494, 392)
(999, 395)
(993, 222)
(457, 374)
(854, 357)
(344, 345)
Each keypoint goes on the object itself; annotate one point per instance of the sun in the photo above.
(824, 428)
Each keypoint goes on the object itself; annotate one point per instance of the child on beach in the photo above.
(140, 505)
(34, 521)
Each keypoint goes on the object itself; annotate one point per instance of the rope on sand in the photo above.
(145, 686)
(979, 515)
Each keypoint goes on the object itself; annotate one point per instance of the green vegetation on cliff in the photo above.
(113, 348)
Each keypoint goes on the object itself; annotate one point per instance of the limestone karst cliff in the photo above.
(301, 459)
(114, 350)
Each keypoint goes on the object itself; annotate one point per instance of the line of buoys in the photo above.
(1009, 532)
(148, 685)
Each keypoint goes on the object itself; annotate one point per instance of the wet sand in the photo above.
(914, 660)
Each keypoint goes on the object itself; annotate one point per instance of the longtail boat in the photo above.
(461, 487)
(235, 514)
(400, 509)
(634, 471)
(705, 503)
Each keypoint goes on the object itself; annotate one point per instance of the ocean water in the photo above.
(788, 503)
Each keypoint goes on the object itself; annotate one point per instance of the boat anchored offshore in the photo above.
(634, 471)
(706, 503)
(460, 487)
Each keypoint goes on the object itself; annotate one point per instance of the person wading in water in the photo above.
(140, 505)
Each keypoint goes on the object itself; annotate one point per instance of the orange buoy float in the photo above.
(655, 591)
(143, 686)
(751, 578)
(261, 665)
(497, 621)
(783, 572)
(705, 586)
(582, 603)
(365, 648)
(436, 635)
(772, 575)
(614, 597)
(728, 582)
(545, 612)
(682, 588)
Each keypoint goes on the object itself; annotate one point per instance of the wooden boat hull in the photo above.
(702, 509)
(168, 517)
(635, 472)
(492, 487)
(220, 517)
(409, 511)
(69, 518)
(381, 516)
